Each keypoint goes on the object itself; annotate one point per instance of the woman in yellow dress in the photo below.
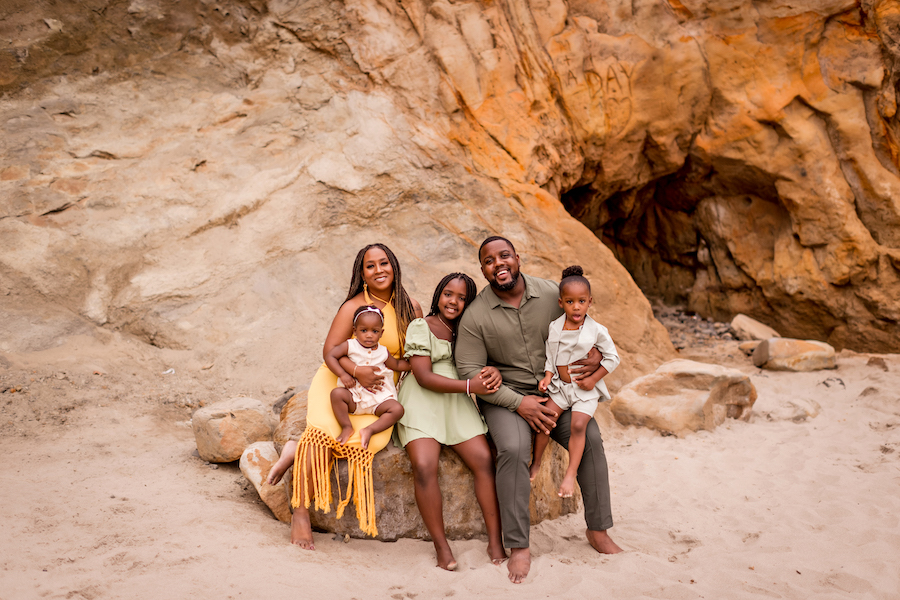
(375, 280)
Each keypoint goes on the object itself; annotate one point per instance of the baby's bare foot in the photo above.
(365, 434)
(345, 434)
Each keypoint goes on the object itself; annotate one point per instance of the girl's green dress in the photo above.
(448, 418)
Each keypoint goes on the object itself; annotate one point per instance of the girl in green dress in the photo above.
(440, 411)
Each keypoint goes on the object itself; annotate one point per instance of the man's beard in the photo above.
(506, 286)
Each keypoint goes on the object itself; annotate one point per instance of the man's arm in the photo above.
(602, 354)
(471, 357)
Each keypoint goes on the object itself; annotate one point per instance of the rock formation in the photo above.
(684, 396)
(746, 328)
(396, 513)
(207, 193)
(225, 429)
(785, 354)
(199, 174)
(255, 463)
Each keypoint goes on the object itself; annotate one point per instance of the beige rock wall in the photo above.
(200, 174)
(209, 199)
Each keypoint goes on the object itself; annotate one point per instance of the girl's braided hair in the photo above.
(471, 292)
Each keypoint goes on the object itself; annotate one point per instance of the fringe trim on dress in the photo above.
(360, 489)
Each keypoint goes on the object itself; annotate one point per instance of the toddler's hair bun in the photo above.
(573, 271)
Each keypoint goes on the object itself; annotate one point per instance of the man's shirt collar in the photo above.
(531, 291)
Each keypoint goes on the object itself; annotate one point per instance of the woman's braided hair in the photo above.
(402, 304)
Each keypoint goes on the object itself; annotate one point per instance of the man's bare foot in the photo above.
(301, 529)
(601, 542)
(345, 434)
(567, 487)
(365, 434)
(534, 469)
(496, 553)
(445, 559)
(519, 564)
(278, 470)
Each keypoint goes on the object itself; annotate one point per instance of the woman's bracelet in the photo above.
(467, 386)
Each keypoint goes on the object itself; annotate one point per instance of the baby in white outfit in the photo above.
(350, 397)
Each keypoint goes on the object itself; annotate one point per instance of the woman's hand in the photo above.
(369, 378)
(491, 378)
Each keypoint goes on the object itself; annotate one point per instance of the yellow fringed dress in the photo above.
(321, 430)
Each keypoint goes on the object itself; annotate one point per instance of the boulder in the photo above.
(223, 430)
(785, 354)
(684, 396)
(793, 409)
(748, 347)
(748, 328)
(256, 461)
(396, 513)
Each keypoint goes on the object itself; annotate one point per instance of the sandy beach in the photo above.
(104, 497)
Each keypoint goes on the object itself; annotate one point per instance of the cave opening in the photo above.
(701, 239)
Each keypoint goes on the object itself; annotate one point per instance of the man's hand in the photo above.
(537, 415)
(586, 366)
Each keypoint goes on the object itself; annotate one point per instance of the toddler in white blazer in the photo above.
(570, 338)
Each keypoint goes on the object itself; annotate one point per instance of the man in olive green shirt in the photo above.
(506, 326)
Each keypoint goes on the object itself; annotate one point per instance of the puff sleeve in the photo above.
(418, 339)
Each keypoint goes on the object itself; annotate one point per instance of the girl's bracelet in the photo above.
(467, 386)
(354, 371)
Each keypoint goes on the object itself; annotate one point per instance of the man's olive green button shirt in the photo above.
(493, 333)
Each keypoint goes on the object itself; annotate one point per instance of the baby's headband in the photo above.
(367, 309)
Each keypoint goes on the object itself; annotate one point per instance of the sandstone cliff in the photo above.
(200, 174)
(204, 184)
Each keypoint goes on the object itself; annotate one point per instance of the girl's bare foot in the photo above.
(533, 471)
(601, 542)
(365, 434)
(301, 529)
(445, 559)
(496, 553)
(345, 434)
(567, 487)
(519, 564)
